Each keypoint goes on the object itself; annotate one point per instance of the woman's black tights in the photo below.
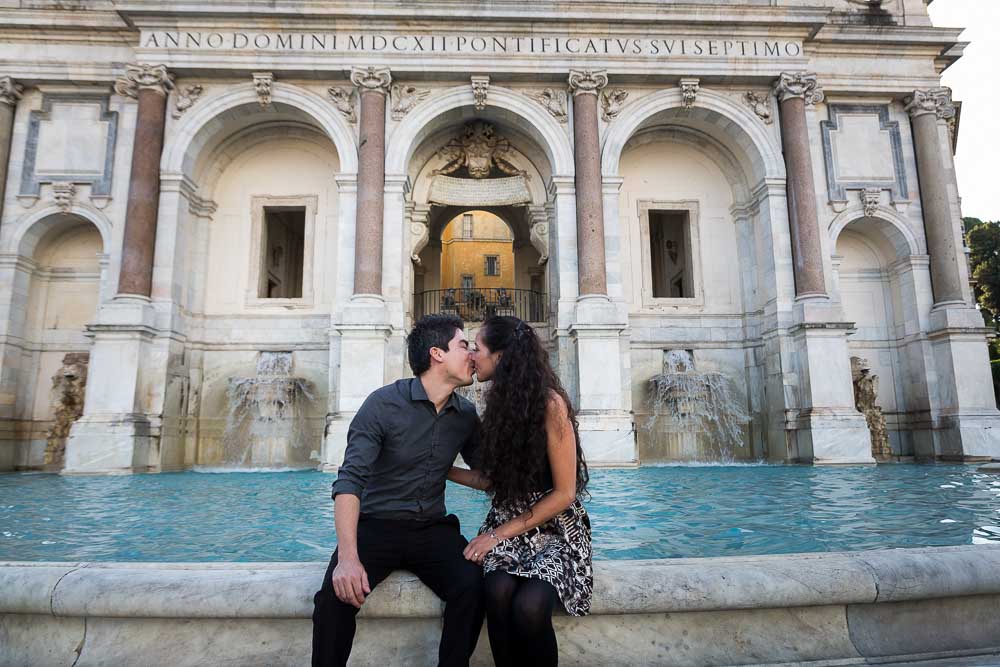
(519, 620)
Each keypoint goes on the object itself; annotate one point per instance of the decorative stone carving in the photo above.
(68, 389)
(262, 84)
(344, 100)
(404, 97)
(539, 232)
(865, 397)
(612, 102)
(936, 100)
(479, 149)
(10, 91)
(759, 105)
(553, 100)
(587, 82)
(420, 234)
(63, 194)
(689, 91)
(798, 84)
(186, 99)
(144, 77)
(375, 79)
(870, 199)
(480, 88)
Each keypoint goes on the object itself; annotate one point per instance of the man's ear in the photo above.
(437, 354)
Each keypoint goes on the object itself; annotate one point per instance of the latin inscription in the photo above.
(653, 47)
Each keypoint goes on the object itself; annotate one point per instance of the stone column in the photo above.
(586, 86)
(794, 91)
(373, 84)
(927, 108)
(150, 84)
(10, 93)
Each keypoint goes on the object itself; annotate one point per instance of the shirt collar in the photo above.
(417, 393)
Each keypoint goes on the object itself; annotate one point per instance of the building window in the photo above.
(281, 251)
(467, 226)
(492, 267)
(284, 250)
(670, 263)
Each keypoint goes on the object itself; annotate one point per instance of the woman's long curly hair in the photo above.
(515, 454)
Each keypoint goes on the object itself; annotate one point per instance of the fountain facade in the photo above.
(266, 425)
(695, 415)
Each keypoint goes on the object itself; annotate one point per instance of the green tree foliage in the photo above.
(983, 239)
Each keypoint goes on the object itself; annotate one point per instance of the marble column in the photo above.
(10, 93)
(926, 109)
(591, 269)
(149, 84)
(373, 85)
(795, 90)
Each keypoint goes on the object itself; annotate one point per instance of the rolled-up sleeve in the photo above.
(364, 443)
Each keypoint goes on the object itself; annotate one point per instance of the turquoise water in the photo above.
(650, 512)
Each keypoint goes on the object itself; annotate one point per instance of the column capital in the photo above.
(144, 77)
(587, 82)
(10, 91)
(935, 100)
(372, 79)
(798, 84)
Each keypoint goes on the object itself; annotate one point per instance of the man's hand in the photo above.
(350, 582)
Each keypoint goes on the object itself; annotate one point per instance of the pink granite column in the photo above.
(10, 93)
(927, 108)
(373, 85)
(150, 84)
(591, 270)
(794, 91)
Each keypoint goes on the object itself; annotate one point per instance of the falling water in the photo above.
(698, 409)
(266, 425)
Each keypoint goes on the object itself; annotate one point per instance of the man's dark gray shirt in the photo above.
(399, 451)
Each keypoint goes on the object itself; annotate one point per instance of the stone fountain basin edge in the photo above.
(852, 607)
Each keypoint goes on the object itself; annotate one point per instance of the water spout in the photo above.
(266, 424)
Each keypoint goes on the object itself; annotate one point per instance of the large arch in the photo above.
(196, 128)
(429, 116)
(760, 155)
(891, 227)
(29, 230)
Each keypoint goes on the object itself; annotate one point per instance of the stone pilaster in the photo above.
(592, 275)
(149, 84)
(373, 86)
(794, 91)
(10, 93)
(927, 108)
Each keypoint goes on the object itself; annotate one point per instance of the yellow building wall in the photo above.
(462, 256)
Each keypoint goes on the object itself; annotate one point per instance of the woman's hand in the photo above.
(478, 548)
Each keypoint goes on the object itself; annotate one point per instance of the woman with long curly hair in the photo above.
(534, 544)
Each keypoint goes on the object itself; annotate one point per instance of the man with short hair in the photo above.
(389, 497)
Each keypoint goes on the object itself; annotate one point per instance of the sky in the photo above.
(974, 81)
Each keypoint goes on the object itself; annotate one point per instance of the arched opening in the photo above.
(874, 280)
(479, 221)
(64, 260)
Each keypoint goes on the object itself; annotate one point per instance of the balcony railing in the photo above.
(476, 304)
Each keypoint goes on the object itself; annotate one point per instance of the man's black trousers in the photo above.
(432, 550)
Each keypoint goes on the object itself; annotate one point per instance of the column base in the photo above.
(833, 437)
(968, 438)
(335, 441)
(113, 444)
(607, 438)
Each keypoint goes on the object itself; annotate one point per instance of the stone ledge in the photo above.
(285, 590)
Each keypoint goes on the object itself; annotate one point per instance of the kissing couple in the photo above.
(533, 550)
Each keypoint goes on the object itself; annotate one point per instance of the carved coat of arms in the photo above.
(479, 149)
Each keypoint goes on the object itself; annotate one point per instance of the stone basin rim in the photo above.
(284, 589)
